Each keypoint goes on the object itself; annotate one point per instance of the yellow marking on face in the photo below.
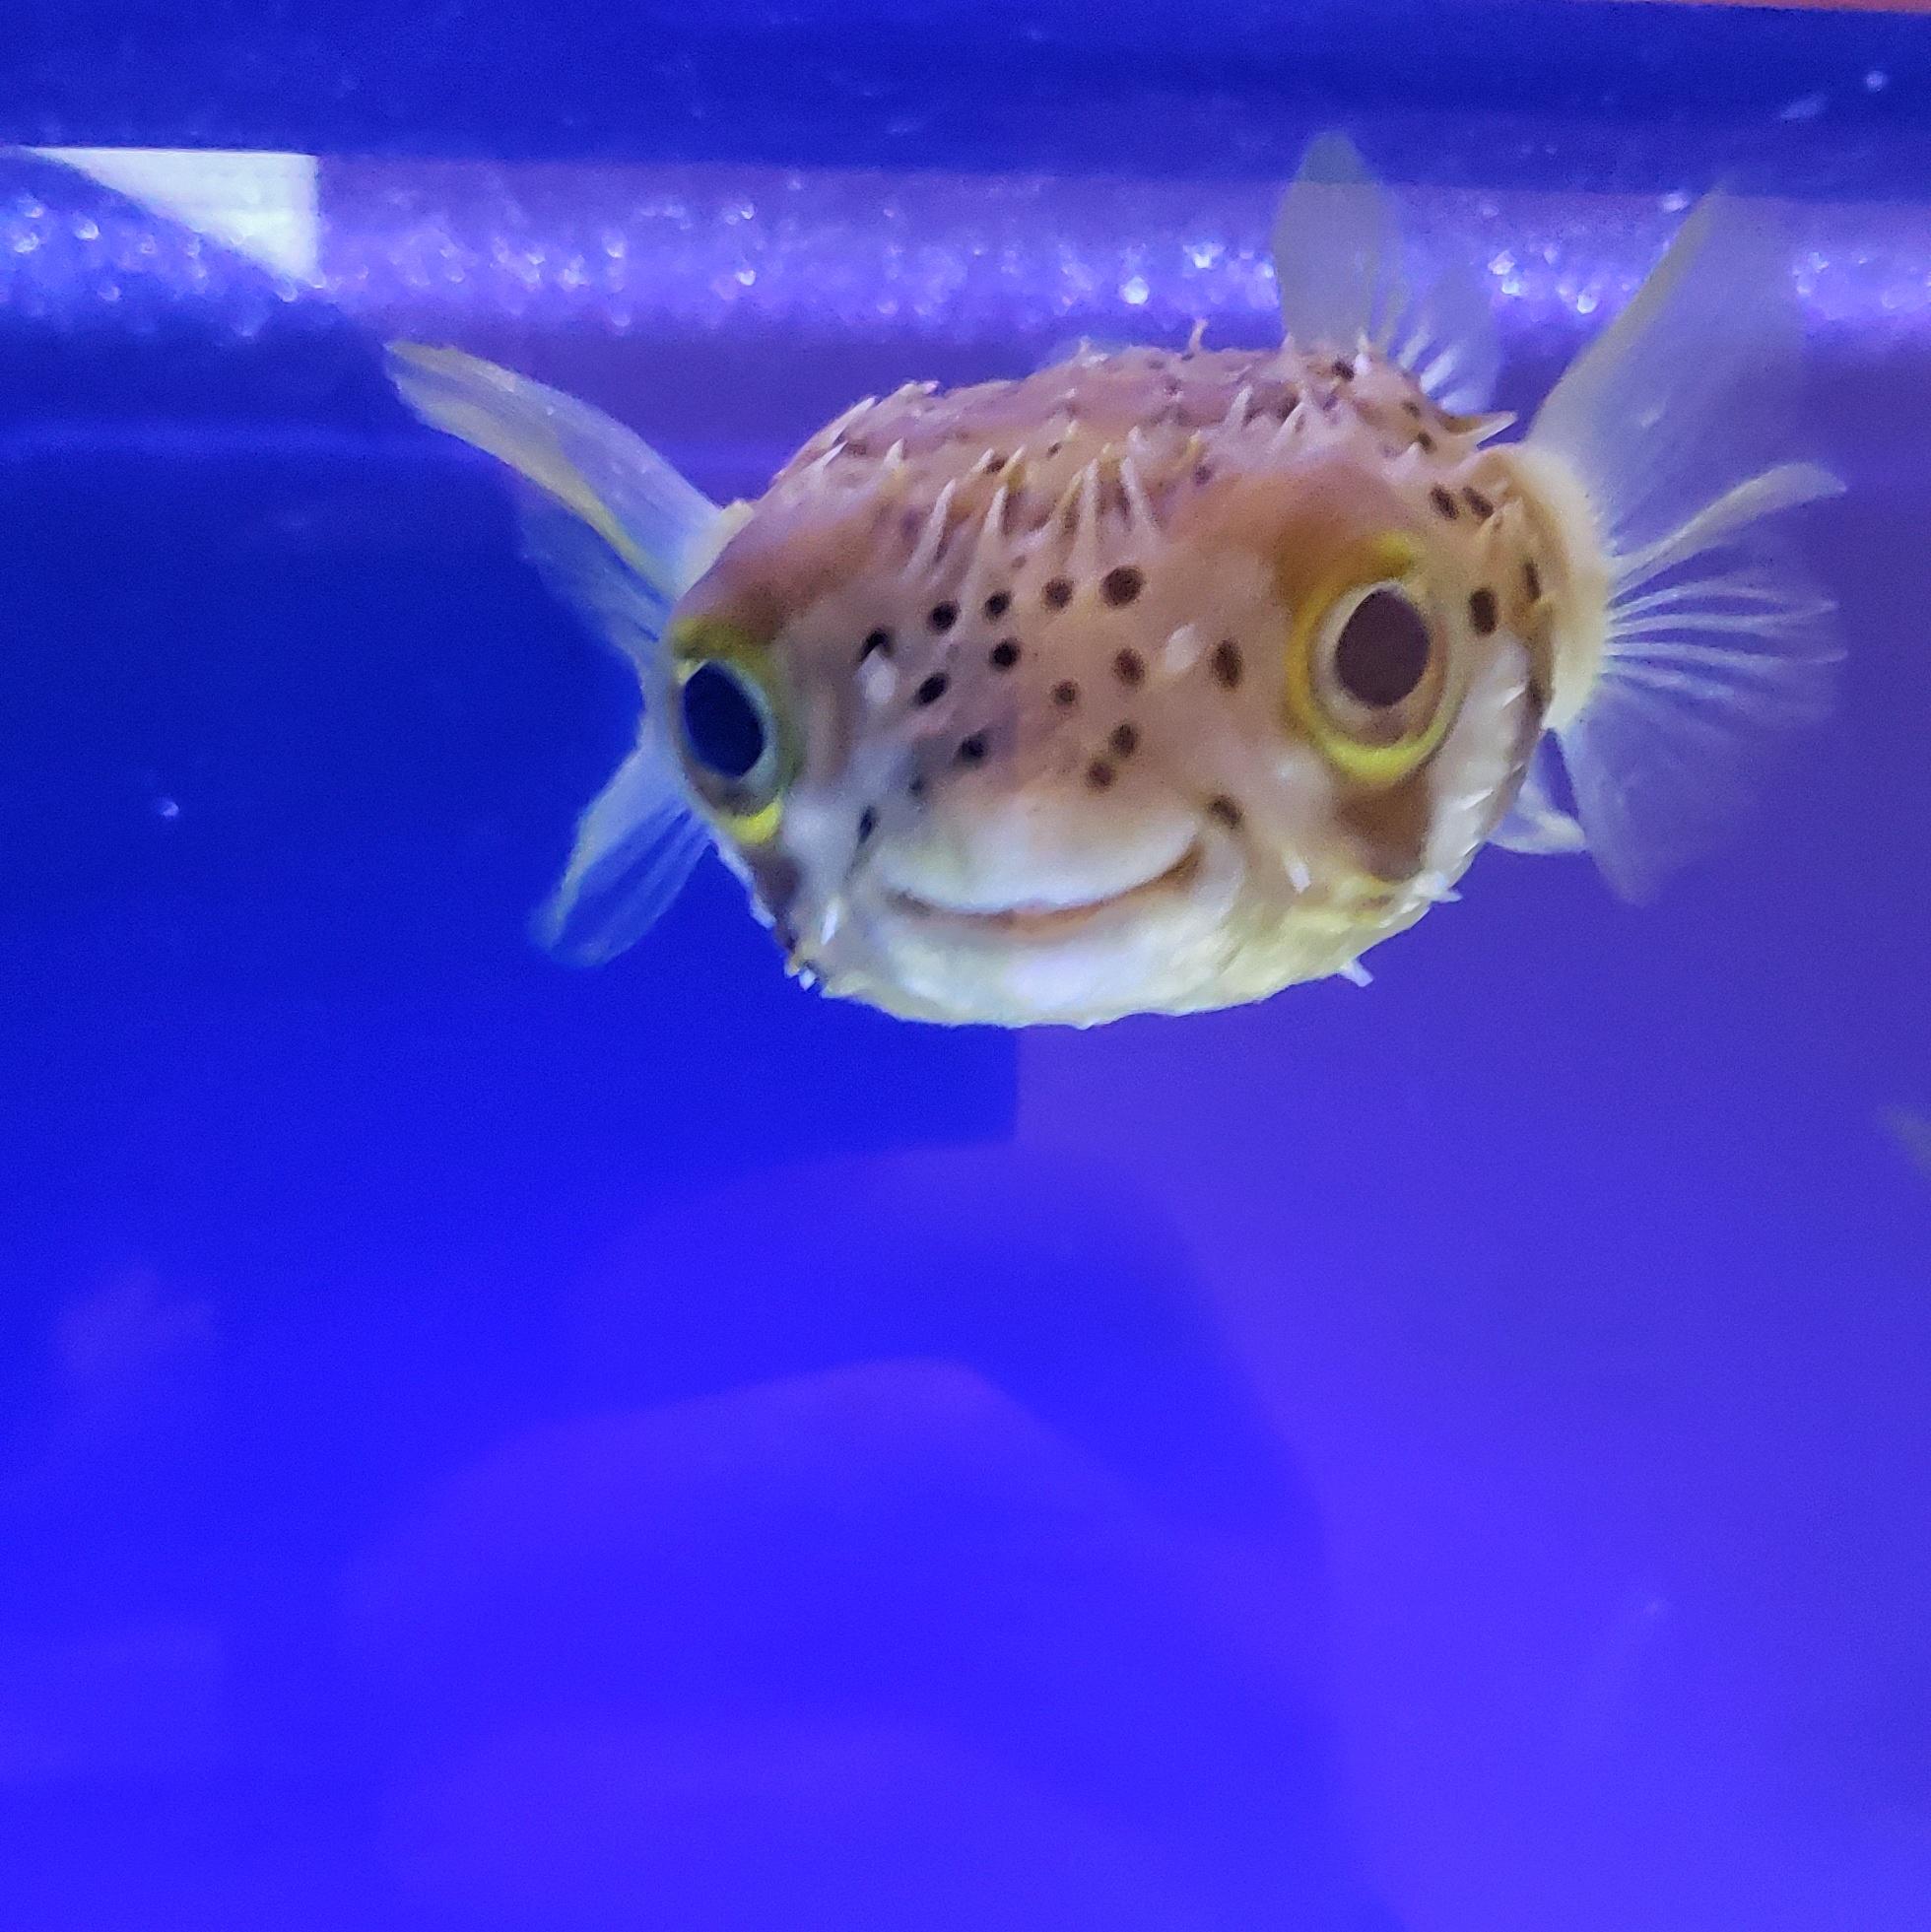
(1388, 560)
(751, 811)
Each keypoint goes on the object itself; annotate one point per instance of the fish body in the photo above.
(1039, 619)
(1160, 680)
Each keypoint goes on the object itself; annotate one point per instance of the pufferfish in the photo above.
(1160, 680)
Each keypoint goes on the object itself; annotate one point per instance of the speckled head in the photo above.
(1153, 682)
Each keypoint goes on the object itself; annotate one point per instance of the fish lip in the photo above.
(1048, 924)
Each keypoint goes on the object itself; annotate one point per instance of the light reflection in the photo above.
(712, 250)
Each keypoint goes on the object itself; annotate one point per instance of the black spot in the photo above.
(1226, 811)
(1482, 611)
(1227, 662)
(1099, 775)
(1004, 654)
(1066, 694)
(875, 640)
(1125, 740)
(971, 751)
(1425, 443)
(1342, 372)
(1532, 579)
(943, 616)
(856, 446)
(1444, 503)
(932, 690)
(1203, 474)
(916, 790)
(1382, 652)
(1413, 408)
(998, 604)
(1130, 668)
(1285, 405)
(1477, 503)
(1057, 594)
(1122, 585)
(868, 822)
(723, 725)
(994, 463)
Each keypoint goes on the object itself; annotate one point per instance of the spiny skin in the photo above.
(1032, 639)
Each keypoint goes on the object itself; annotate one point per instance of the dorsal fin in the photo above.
(1338, 260)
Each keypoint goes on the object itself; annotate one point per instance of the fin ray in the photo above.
(1534, 822)
(1338, 261)
(654, 522)
(1676, 422)
(636, 846)
(617, 535)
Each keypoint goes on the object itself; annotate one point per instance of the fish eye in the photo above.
(1367, 667)
(1382, 652)
(724, 722)
(734, 744)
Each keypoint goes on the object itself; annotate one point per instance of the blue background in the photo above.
(486, 1446)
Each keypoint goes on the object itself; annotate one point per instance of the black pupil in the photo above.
(1382, 652)
(721, 725)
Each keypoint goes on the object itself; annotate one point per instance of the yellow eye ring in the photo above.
(1368, 664)
(732, 730)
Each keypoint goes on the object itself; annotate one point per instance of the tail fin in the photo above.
(1675, 423)
(634, 538)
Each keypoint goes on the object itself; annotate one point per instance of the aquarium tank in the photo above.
(511, 1426)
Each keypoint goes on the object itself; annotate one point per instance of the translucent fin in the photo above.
(638, 840)
(1675, 423)
(619, 535)
(661, 528)
(1337, 256)
(1535, 823)
(581, 570)
(636, 846)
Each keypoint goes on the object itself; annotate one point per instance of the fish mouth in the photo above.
(1150, 944)
(1037, 924)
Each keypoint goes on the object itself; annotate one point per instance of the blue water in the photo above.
(496, 1449)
